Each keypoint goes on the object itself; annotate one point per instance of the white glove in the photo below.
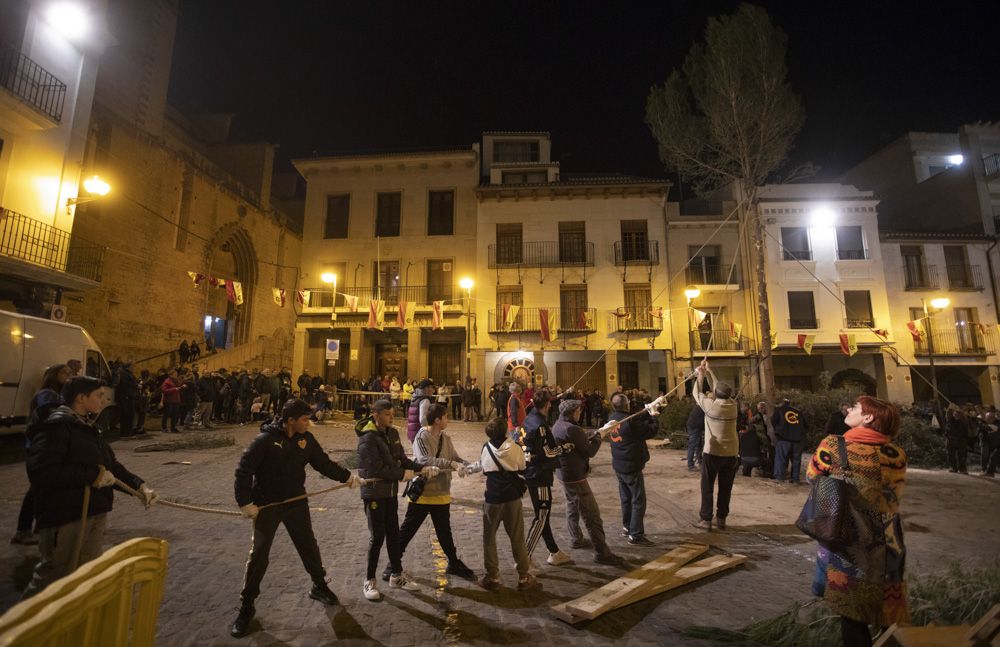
(353, 481)
(249, 510)
(653, 409)
(407, 475)
(104, 479)
(455, 466)
(430, 471)
(149, 496)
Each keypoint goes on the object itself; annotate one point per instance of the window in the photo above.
(957, 266)
(573, 307)
(513, 151)
(524, 177)
(509, 247)
(795, 241)
(970, 335)
(850, 244)
(706, 265)
(858, 307)
(440, 213)
(387, 214)
(439, 280)
(635, 240)
(915, 273)
(802, 311)
(385, 279)
(638, 301)
(97, 367)
(509, 295)
(572, 242)
(338, 209)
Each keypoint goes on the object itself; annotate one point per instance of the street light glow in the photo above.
(466, 283)
(691, 292)
(68, 18)
(822, 217)
(956, 160)
(328, 277)
(94, 185)
(940, 303)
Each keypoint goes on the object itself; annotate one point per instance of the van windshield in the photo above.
(97, 367)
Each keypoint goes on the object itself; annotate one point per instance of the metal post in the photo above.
(930, 359)
(690, 333)
(468, 335)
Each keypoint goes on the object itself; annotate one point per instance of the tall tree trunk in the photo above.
(765, 369)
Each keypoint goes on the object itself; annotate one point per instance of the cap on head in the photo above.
(568, 406)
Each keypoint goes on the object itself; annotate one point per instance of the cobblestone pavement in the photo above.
(207, 553)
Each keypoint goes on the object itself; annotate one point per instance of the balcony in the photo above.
(629, 252)
(859, 322)
(967, 340)
(923, 277)
(528, 320)
(635, 320)
(852, 254)
(541, 254)
(718, 340)
(964, 277)
(991, 166)
(423, 295)
(43, 245)
(32, 84)
(706, 271)
(797, 254)
(803, 323)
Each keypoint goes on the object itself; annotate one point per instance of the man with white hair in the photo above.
(722, 446)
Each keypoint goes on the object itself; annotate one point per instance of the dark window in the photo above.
(439, 281)
(850, 244)
(957, 266)
(795, 240)
(509, 239)
(385, 280)
(635, 240)
(858, 307)
(572, 242)
(440, 213)
(509, 295)
(515, 151)
(387, 214)
(572, 307)
(801, 311)
(706, 265)
(338, 209)
(638, 301)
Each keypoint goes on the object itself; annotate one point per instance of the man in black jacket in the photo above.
(382, 459)
(790, 434)
(629, 455)
(542, 452)
(272, 469)
(67, 457)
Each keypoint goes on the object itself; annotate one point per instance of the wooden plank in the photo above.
(609, 596)
(687, 574)
(988, 626)
(924, 636)
(560, 611)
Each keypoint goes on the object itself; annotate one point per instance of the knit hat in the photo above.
(567, 406)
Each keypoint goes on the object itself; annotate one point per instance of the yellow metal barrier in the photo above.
(113, 600)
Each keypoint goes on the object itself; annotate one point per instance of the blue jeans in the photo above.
(632, 492)
(819, 578)
(785, 450)
(696, 438)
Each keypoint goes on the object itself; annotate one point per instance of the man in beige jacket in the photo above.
(722, 446)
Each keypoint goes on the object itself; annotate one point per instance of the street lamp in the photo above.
(691, 292)
(95, 186)
(466, 284)
(938, 304)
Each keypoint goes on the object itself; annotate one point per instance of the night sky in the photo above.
(332, 77)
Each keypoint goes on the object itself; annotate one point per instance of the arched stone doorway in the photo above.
(852, 378)
(231, 255)
(519, 369)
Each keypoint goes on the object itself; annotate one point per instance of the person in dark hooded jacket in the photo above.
(272, 469)
(68, 461)
(629, 455)
(542, 453)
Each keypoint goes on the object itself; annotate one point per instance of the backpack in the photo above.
(512, 486)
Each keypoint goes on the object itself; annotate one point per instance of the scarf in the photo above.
(866, 436)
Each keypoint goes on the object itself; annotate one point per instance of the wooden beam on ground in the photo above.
(692, 572)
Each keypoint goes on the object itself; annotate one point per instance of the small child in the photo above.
(258, 404)
(502, 460)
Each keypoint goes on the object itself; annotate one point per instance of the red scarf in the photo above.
(866, 436)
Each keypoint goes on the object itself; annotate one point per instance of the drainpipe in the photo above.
(993, 282)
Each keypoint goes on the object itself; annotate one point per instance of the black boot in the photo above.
(242, 621)
(457, 567)
(323, 593)
(386, 573)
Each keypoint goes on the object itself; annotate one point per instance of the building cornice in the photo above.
(418, 159)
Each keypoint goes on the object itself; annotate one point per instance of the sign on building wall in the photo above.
(332, 349)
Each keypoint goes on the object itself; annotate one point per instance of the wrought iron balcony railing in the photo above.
(991, 165)
(967, 339)
(392, 295)
(923, 277)
(718, 340)
(859, 322)
(529, 320)
(852, 254)
(40, 244)
(797, 254)
(541, 254)
(634, 320)
(964, 277)
(703, 271)
(629, 252)
(31, 83)
(803, 323)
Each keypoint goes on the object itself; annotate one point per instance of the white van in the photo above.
(29, 345)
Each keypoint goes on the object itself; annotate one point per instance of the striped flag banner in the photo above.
(848, 345)
(547, 324)
(376, 314)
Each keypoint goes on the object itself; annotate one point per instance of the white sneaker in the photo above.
(371, 591)
(402, 582)
(558, 558)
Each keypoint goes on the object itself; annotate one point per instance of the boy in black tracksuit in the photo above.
(629, 455)
(272, 469)
(381, 458)
(542, 452)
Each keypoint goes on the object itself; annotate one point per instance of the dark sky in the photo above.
(349, 76)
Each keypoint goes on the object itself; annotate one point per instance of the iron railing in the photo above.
(964, 277)
(967, 339)
(705, 271)
(36, 242)
(923, 277)
(991, 165)
(634, 319)
(803, 323)
(541, 254)
(628, 252)
(852, 254)
(31, 83)
(392, 295)
(529, 320)
(720, 340)
(797, 254)
(859, 322)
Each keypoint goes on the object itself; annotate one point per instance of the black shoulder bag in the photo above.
(512, 486)
(415, 486)
(825, 513)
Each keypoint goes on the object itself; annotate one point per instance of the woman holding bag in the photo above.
(862, 578)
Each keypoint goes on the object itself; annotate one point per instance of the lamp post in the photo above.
(95, 187)
(938, 304)
(331, 278)
(466, 284)
(690, 293)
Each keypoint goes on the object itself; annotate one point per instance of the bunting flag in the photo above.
(376, 314)
(774, 341)
(805, 342)
(234, 292)
(916, 328)
(404, 316)
(509, 315)
(735, 331)
(585, 320)
(333, 309)
(196, 278)
(656, 312)
(848, 345)
(881, 332)
(437, 322)
(302, 297)
(351, 302)
(622, 313)
(699, 316)
(547, 324)
(278, 295)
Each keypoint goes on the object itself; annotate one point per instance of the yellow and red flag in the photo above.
(848, 345)
(547, 324)
(436, 320)
(509, 315)
(805, 342)
(376, 314)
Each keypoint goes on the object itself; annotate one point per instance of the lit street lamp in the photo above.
(691, 292)
(938, 304)
(95, 187)
(466, 284)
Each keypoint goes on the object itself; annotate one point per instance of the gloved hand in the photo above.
(462, 471)
(149, 496)
(455, 465)
(430, 471)
(653, 408)
(249, 510)
(567, 447)
(353, 481)
(104, 478)
(407, 475)
(608, 428)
